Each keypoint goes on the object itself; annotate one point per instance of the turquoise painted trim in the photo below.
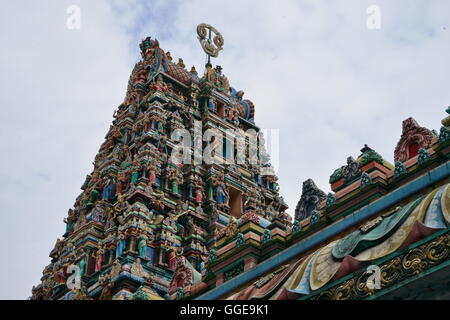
(377, 262)
(385, 202)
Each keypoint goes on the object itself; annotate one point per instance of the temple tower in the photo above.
(148, 220)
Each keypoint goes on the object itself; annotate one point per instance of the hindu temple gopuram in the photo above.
(146, 227)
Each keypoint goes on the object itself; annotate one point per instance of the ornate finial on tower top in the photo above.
(211, 46)
(148, 45)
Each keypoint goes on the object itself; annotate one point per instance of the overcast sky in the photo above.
(313, 69)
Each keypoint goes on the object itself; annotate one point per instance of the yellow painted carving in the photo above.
(445, 203)
(323, 268)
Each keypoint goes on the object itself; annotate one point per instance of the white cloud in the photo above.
(312, 68)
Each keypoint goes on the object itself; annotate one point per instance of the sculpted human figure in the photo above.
(172, 258)
(121, 178)
(135, 174)
(82, 265)
(109, 189)
(127, 154)
(142, 246)
(107, 285)
(221, 194)
(99, 258)
(351, 170)
(232, 227)
(141, 76)
(69, 221)
(121, 243)
(199, 195)
(152, 174)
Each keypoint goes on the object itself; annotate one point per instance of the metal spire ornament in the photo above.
(210, 39)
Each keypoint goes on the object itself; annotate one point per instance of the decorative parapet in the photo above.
(425, 256)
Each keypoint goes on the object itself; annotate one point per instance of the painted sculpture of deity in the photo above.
(152, 174)
(199, 196)
(220, 193)
(109, 189)
(351, 170)
(121, 177)
(142, 246)
(70, 220)
(175, 179)
(121, 244)
(172, 258)
(82, 266)
(135, 173)
(232, 227)
(99, 259)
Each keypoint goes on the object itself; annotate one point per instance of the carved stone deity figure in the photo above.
(232, 227)
(109, 189)
(310, 200)
(106, 284)
(220, 192)
(199, 196)
(175, 179)
(127, 156)
(70, 220)
(142, 246)
(135, 173)
(141, 76)
(152, 174)
(121, 244)
(351, 170)
(172, 258)
(99, 259)
(82, 265)
(121, 177)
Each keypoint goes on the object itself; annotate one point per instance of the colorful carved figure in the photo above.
(121, 244)
(220, 193)
(135, 174)
(82, 266)
(310, 199)
(172, 258)
(142, 246)
(351, 171)
(152, 174)
(99, 259)
(70, 220)
(109, 190)
(199, 196)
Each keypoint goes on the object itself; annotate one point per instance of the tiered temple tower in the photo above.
(146, 226)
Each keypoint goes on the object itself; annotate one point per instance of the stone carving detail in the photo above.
(250, 215)
(262, 281)
(414, 137)
(311, 197)
(183, 275)
(351, 171)
(400, 268)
